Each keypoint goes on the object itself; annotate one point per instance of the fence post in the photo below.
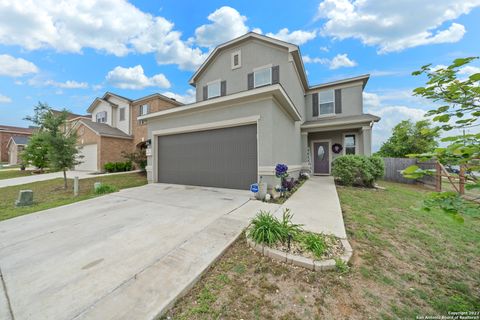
(438, 177)
(462, 180)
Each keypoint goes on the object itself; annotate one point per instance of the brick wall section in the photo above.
(4, 138)
(110, 150)
(156, 104)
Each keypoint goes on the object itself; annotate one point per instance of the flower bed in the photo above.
(287, 242)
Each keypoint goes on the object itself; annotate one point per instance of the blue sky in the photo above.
(66, 53)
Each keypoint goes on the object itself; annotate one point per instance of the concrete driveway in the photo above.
(127, 255)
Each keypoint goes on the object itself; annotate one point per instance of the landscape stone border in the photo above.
(308, 263)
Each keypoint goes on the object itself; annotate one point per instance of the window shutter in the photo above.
(338, 101)
(275, 74)
(139, 110)
(223, 88)
(315, 104)
(205, 92)
(250, 81)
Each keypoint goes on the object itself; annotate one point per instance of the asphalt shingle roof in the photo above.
(104, 129)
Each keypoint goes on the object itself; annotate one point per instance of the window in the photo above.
(213, 89)
(327, 102)
(144, 109)
(101, 117)
(122, 114)
(236, 59)
(262, 77)
(350, 143)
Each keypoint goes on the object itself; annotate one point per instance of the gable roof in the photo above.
(292, 48)
(103, 129)
(16, 129)
(364, 78)
(159, 96)
(19, 140)
(70, 115)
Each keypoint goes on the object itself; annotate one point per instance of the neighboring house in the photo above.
(113, 128)
(7, 132)
(255, 108)
(15, 146)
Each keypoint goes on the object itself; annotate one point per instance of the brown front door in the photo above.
(321, 158)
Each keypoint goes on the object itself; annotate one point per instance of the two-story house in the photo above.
(113, 128)
(254, 109)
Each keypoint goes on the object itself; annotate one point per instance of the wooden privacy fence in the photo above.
(440, 179)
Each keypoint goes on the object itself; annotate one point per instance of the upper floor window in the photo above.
(236, 59)
(122, 114)
(213, 89)
(143, 109)
(350, 143)
(327, 102)
(262, 76)
(101, 117)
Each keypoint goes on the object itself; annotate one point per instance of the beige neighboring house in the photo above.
(6, 132)
(15, 146)
(112, 128)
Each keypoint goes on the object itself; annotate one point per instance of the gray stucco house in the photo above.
(255, 108)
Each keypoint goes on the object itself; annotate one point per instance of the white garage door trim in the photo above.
(202, 127)
(89, 161)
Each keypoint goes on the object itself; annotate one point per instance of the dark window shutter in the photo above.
(223, 88)
(315, 104)
(250, 81)
(338, 101)
(275, 74)
(205, 92)
(148, 108)
(139, 110)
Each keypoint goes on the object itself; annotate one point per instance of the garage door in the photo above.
(89, 159)
(223, 158)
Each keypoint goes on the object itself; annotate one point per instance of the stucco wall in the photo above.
(103, 106)
(278, 135)
(336, 137)
(352, 102)
(254, 54)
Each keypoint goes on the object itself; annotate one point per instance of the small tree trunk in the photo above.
(64, 179)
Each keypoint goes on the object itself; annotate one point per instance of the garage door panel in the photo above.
(89, 159)
(225, 158)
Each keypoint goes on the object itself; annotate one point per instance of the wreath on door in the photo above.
(337, 148)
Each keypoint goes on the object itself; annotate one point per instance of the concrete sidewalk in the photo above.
(317, 207)
(53, 175)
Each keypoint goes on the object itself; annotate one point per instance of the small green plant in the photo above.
(341, 266)
(288, 227)
(315, 243)
(105, 188)
(357, 170)
(265, 228)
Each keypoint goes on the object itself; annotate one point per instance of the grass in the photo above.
(49, 194)
(9, 174)
(406, 263)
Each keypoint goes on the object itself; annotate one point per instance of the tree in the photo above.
(60, 145)
(460, 109)
(409, 138)
(36, 152)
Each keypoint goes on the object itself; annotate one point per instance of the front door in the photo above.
(321, 158)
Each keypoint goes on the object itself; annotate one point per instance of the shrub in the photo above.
(118, 166)
(105, 188)
(288, 227)
(139, 158)
(357, 170)
(265, 228)
(315, 243)
(109, 167)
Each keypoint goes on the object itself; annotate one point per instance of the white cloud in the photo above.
(134, 78)
(469, 70)
(394, 25)
(342, 61)
(339, 61)
(15, 67)
(69, 84)
(297, 37)
(5, 99)
(188, 97)
(227, 23)
(371, 100)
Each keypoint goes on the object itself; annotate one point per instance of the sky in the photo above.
(67, 53)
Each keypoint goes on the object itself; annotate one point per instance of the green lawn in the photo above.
(9, 174)
(49, 194)
(406, 263)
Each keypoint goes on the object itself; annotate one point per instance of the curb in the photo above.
(308, 263)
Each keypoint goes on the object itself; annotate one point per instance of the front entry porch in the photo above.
(320, 146)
